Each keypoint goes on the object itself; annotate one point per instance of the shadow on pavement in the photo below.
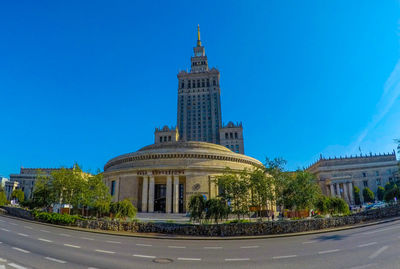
(331, 237)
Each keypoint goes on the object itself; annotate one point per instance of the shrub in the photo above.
(55, 218)
(380, 193)
(3, 198)
(357, 199)
(216, 209)
(196, 207)
(368, 195)
(123, 209)
(19, 195)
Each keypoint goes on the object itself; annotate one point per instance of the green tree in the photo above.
(43, 193)
(322, 204)
(275, 169)
(216, 209)
(3, 198)
(380, 193)
(96, 195)
(196, 206)
(357, 199)
(368, 195)
(337, 206)
(391, 192)
(18, 194)
(235, 189)
(261, 189)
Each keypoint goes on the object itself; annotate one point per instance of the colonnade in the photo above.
(172, 194)
(346, 192)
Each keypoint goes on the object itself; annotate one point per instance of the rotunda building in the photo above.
(162, 177)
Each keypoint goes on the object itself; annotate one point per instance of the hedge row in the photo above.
(55, 218)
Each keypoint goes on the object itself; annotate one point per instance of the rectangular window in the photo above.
(364, 174)
(365, 183)
(112, 187)
(378, 181)
(169, 138)
(236, 136)
(160, 139)
(377, 173)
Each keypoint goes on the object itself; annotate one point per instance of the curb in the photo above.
(179, 237)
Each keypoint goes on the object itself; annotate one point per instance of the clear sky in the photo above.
(85, 81)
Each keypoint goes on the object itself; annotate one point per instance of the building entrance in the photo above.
(159, 197)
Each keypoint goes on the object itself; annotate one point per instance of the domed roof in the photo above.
(176, 150)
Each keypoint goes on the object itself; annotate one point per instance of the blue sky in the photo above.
(84, 81)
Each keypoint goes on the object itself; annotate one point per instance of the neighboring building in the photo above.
(3, 181)
(9, 187)
(27, 177)
(199, 102)
(162, 177)
(338, 176)
(166, 134)
(232, 137)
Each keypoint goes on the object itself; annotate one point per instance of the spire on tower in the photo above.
(198, 36)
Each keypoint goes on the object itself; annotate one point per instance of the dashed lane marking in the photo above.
(2, 220)
(176, 246)
(71, 246)
(3, 260)
(55, 260)
(378, 252)
(367, 244)
(309, 242)
(21, 250)
(237, 259)
(12, 223)
(45, 231)
(2, 267)
(284, 257)
(3, 229)
(250, 247)
(143, 245)
(16, 266)
(212, 247)
(105, 251)
(45, 240)
(21, 234)
(382, 230)
(328, 251)
(113, 242)
(28, 227)
(189, 259)
(66, 235)
(374, 265)
(87, 238)
(144, 256)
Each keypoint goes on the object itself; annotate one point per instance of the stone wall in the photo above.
(233, 229)
(243, 229)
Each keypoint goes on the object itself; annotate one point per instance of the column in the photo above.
(151, 194)
(175, 201)
(168, 198)
(145, 188)
(338, 190)
(346, 196)
(351, 192)
(332, 190)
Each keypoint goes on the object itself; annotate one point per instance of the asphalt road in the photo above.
(31, 245)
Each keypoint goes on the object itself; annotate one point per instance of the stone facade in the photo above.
(166, 134)
(338, 176)
(231, 136)
(162, 177)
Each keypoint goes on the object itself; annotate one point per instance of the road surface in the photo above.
(30, 245)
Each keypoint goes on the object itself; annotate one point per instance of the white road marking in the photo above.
(16, 266)
(21, 234)
(45, 240)
(4, 230)
(176, 246)
(21, 250)
(283, 257)
(367, 244)
(1, 242)
(71, 246)
(378, 252)
(143, 245)
(189, 259)
(12, 223)
(382, 230)
(250, 247)
(365, 266)
(87, 238)
(2, 267)
(55, 260)
(3, 260)
(328, 251)
(45, 231)
(237, 260)
(113, 242)
(144, 256)
(212, 247)
(309, 242)
(2, 220)
(66, 235)
(28, 227)
(105, 251)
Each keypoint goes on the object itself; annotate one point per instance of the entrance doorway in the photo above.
(159, 197)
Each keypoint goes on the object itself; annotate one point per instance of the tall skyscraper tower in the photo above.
(199, 101)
